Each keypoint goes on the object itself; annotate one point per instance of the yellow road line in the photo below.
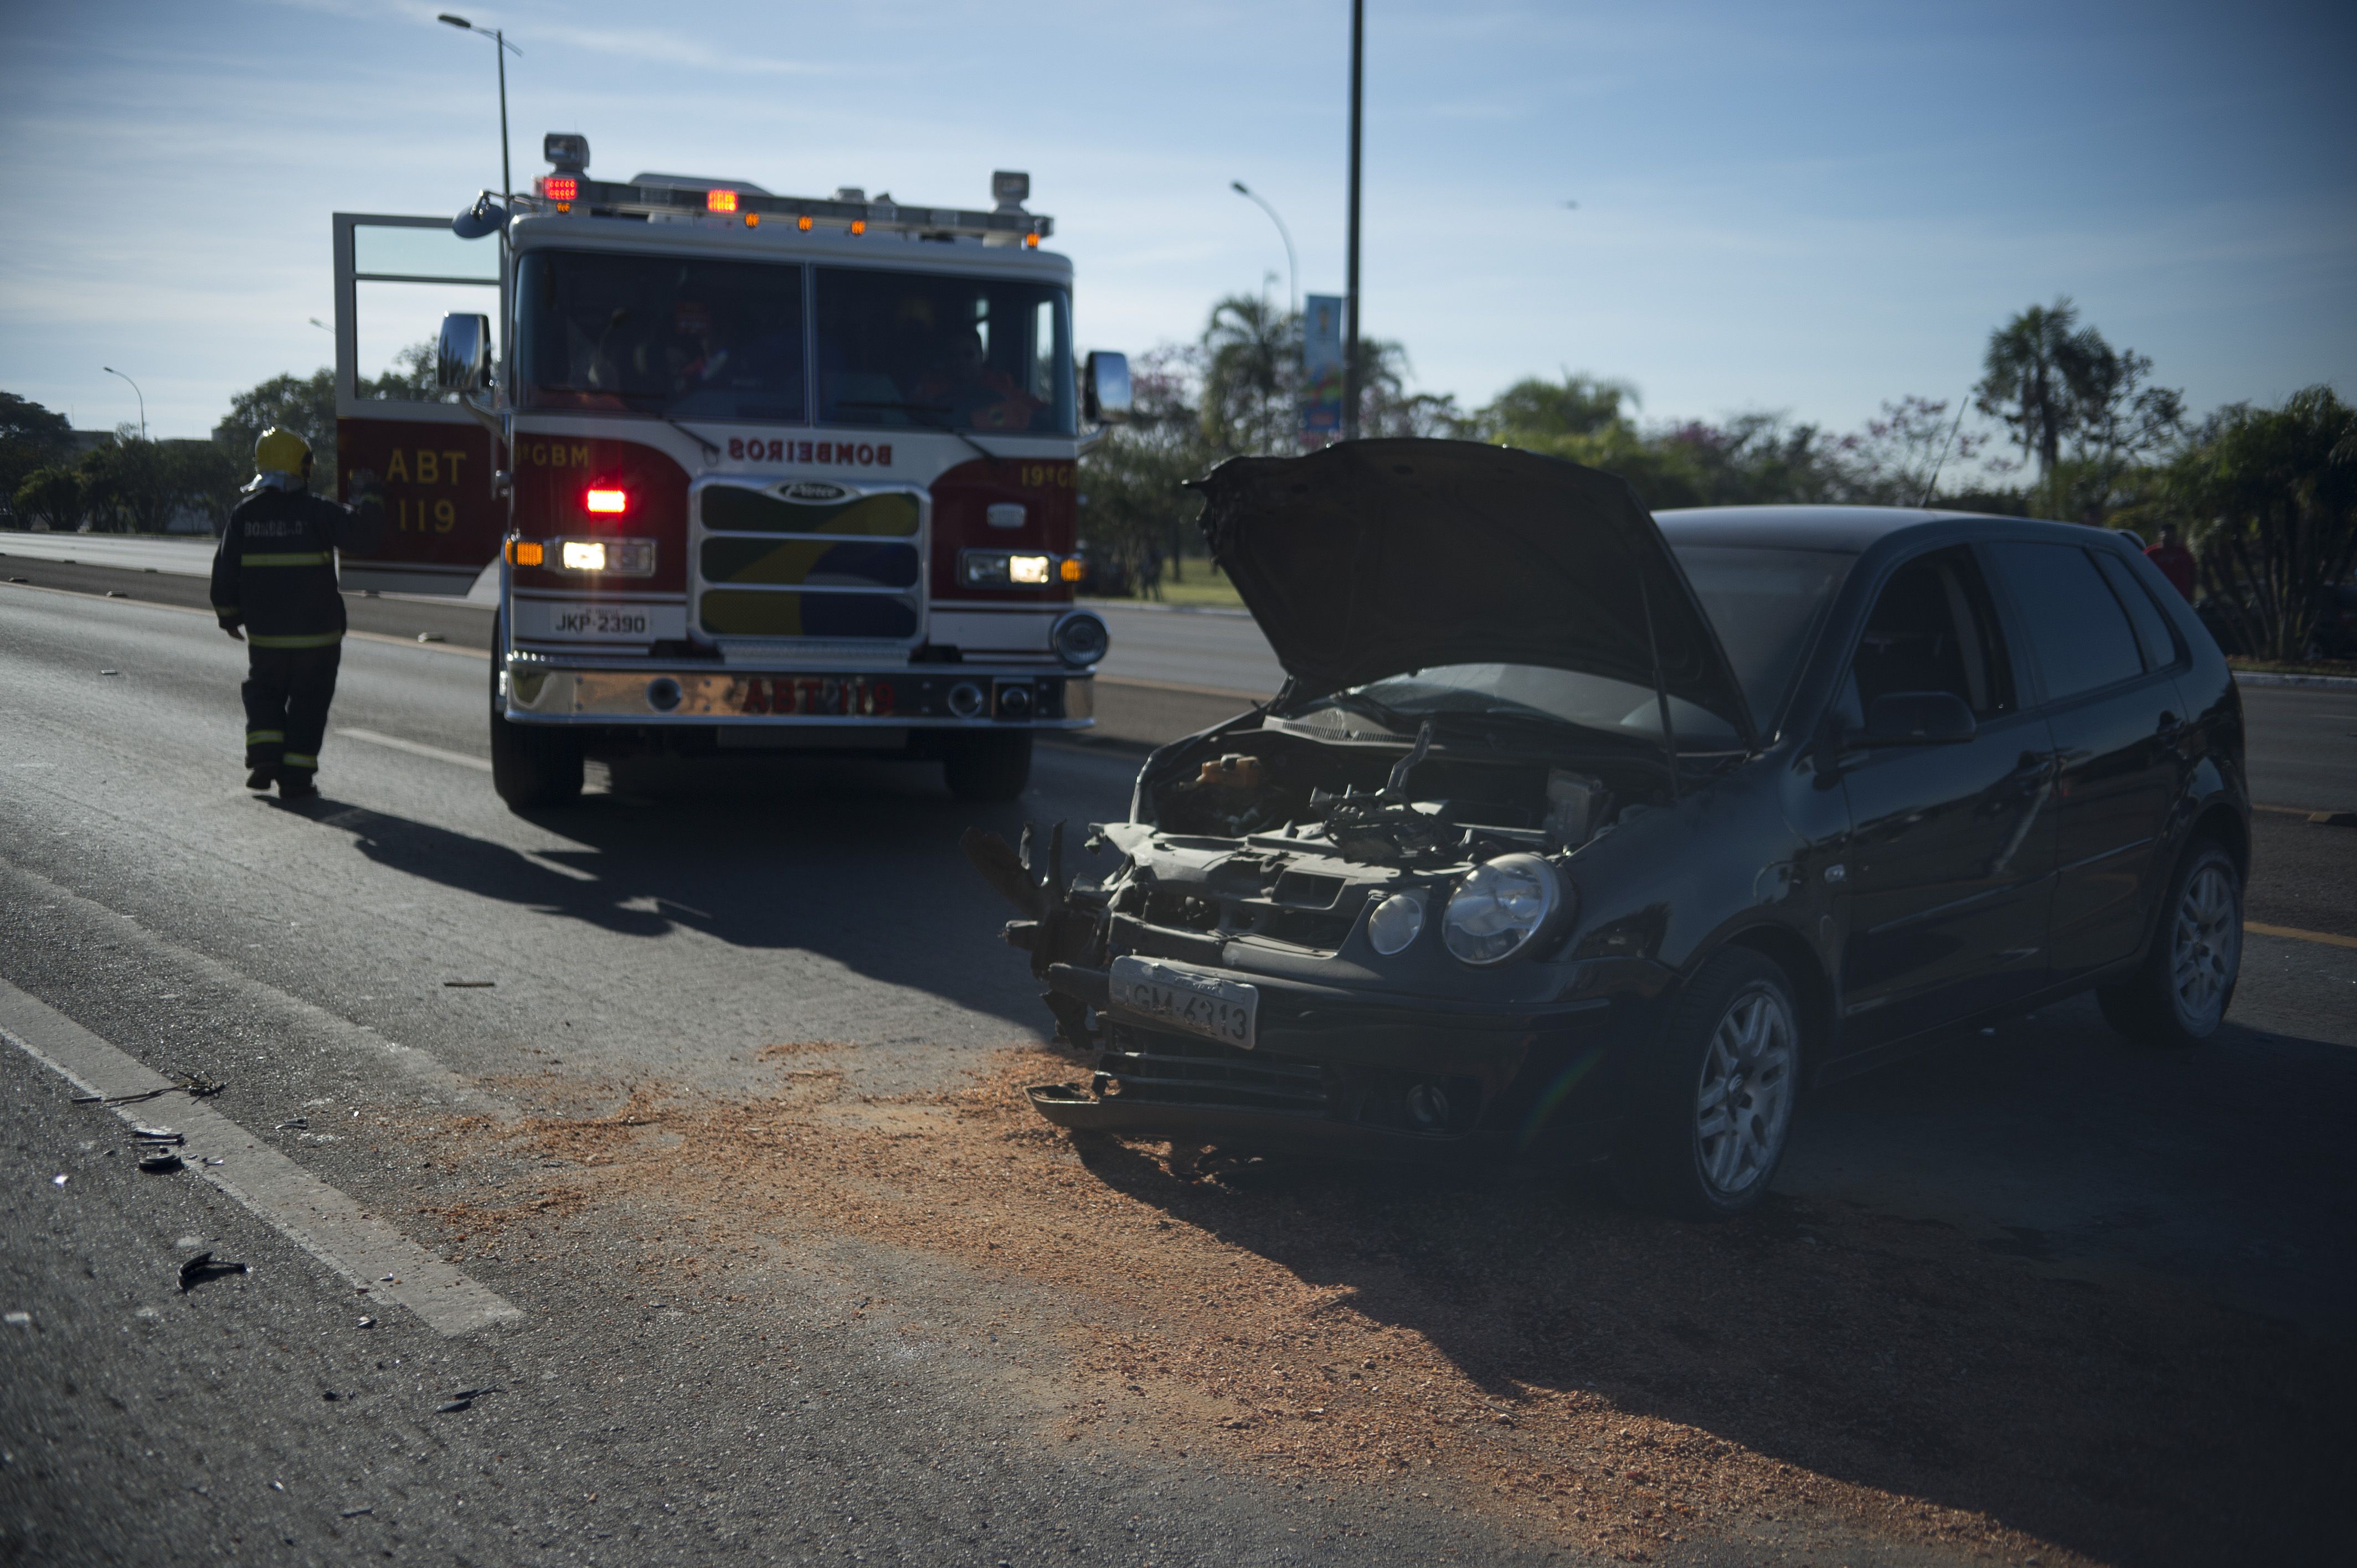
(2296, 934)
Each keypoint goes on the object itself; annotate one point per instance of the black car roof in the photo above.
(1849, 529)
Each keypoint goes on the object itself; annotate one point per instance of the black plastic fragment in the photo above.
(205, 1266)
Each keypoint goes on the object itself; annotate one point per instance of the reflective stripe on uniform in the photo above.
(256, 736)
(295, 558)
(226, 612)
(297, 760)
(323, 639)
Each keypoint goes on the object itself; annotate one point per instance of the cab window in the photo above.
(1935, 628)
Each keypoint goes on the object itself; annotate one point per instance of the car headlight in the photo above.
(1501, 905)
(1395, 923)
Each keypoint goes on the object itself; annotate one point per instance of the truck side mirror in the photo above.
(1918, 718)
(462, 359)
(1104, 390)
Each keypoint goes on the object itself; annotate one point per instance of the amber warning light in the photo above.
(611, 503)
(720, 201)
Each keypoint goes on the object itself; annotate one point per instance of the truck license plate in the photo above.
(1168, 998)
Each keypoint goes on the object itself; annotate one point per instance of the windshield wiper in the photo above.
(941, 425)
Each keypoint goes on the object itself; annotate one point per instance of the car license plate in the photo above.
(1168, 998)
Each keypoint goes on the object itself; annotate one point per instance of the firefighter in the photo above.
(275, 577)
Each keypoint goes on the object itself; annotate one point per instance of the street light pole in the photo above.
(502, 49)
(1292, 267)
(1350, 288)
(142, 396)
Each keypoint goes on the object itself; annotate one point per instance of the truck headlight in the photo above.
(1501, 905)
(1081, 638)
(615, 557)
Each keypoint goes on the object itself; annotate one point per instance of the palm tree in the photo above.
(1252, 366)
(2040, 367)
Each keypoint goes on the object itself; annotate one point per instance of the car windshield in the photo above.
(1766, 604)
(1476, 693)
(953, 352)
(681, 338)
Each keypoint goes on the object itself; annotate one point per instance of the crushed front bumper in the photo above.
(1365, 1074)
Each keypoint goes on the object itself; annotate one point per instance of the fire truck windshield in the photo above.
(661, 334)
(927, 348)
(686, 338)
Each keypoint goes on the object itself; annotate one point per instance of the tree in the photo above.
(304, 404)
(1579, 405)
(31, 437)
(1132, 505)
(2270, 498)
(2116, 422)
(51, 495)
(124, 484)
(2032, 364)
(1898, 457)
(1252, 377)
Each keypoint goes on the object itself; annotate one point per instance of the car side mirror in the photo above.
(1918, 718)
(462, 359)
(1104, 389)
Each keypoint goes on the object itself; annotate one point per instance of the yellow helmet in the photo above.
(277, 451)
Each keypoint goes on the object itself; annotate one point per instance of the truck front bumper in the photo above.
(935, 696)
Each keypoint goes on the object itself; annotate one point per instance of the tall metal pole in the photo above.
(1351, 280)
(1292, 267)
(507, 177)
(142, 396)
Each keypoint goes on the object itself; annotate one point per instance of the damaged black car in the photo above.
(1580, 834)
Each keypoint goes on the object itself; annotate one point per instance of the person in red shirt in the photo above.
(2175, 560)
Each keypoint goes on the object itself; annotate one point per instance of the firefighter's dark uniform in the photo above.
(275, 575)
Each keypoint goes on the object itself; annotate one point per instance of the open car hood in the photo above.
(1375, 558)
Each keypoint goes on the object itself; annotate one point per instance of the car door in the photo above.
(1951, 854)
(2111, 703)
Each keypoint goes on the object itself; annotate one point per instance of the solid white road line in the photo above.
(317, 1218)
(418, 748)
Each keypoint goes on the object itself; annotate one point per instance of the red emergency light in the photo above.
(720, 201)
(610, 503)
(560, 188)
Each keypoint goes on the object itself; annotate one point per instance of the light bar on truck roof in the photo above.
(598, 198)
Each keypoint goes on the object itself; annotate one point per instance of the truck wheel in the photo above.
(531, 765)
(993, 766)
(2179, 993)
(1711, 1105)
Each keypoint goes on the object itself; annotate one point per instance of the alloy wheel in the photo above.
(1745, 1100)
(2205, 948)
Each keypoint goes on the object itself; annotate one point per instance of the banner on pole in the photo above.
(1321, 370)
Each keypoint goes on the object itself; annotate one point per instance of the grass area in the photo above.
(2293, 666)
(1206, 586)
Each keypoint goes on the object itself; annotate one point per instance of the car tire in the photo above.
(1711, 1108)
(2180, 993)
(994, 766)
(532, 766)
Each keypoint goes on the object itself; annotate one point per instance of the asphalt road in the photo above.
(849, 1394)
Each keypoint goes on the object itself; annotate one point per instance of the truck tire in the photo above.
(1710, 1106)
(531, 765)
(2180, 993)
(990, 766)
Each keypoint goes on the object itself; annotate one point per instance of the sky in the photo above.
(1802, 207)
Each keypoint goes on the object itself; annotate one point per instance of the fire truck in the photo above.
(749, 471)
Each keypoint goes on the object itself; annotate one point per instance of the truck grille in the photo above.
(1172, 1069)
(846, 567)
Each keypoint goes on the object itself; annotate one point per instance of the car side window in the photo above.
(1935, 629)
(2075, 625)
(2152, 631)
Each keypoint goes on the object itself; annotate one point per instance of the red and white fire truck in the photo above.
(753, 470)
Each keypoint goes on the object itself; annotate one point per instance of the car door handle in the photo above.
(2032, 767)
(2169, 728)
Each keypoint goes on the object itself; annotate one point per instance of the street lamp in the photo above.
(1350, 290)
(142, 396)
(1292, 269)
(502, 49)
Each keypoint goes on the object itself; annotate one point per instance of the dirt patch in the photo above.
(1588, 1373)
